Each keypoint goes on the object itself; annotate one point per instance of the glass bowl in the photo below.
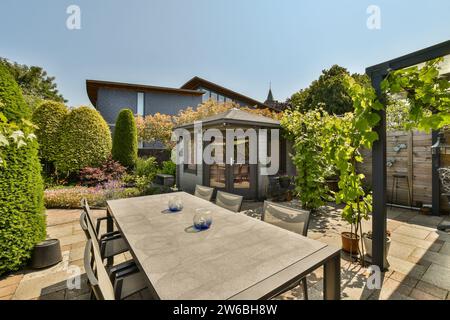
(202, 219)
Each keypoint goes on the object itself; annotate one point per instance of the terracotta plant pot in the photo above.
(350, 242)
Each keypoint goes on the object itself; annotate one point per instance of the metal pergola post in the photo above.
(379, 217)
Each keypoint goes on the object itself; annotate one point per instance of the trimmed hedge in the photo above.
(49, 116)
(125, 144)
(84, 141)
(22, 220)
(13, 104)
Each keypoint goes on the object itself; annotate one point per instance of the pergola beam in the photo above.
(379, 216)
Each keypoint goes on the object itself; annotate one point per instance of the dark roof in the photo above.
(237, 116)
(197, 82)
(92, 87)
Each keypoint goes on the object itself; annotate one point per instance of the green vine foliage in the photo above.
(427, 94)
(322, 141)
(305, 130)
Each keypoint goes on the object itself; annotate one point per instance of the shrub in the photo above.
(146, 167)
(169, 167)
(124, 148)
(70, 197)
(110, 170)
(85, 140)
(48, 117)
(22, 222)
(13, 105)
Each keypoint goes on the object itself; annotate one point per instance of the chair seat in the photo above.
(132, 283)
(115, 247)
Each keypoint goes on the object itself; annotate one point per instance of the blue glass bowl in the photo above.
(202, 219)
(175, 204)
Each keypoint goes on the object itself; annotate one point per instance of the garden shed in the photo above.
(244, 178)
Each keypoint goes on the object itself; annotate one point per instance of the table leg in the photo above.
(109, 228)
(332, 278)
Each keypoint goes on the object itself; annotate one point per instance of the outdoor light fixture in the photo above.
(439, 147)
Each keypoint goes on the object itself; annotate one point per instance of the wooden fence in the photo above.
(408, 153)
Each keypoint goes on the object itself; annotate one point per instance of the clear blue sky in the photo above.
(240, 44)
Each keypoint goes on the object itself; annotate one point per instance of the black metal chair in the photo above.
(115, 285)
(229, 201)
(203, 192)
(291, 219)
(111, 243)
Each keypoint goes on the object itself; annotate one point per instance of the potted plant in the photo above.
(367, 239)
(353, 213)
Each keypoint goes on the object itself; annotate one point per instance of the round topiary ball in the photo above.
(48, 117)
(124, 148)
(84, 141)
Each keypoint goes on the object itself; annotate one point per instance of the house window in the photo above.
(191, 167)
(140, 103)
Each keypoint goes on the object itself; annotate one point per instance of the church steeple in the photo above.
(270, 95)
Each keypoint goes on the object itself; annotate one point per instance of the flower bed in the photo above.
(70, 197)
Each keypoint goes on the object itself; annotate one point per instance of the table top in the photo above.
(236, 253)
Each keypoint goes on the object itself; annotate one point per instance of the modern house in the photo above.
(110, 97)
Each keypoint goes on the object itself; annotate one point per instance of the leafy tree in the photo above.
(48, 118)
(124, 148)
(36, 85)
(22, 220)
(159, 127)
(85, 141)
(329, 92)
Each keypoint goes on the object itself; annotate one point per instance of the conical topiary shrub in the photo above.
(125, 149)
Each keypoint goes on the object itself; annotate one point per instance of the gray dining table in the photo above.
(238, 257)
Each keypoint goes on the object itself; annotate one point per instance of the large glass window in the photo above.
(213, 96)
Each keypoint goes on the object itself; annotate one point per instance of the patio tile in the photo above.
(424, 244)
(436, 234)
(404, 279)
(31, 274)
(58, 295)
(36, 287)
(434, 257)
(391, 290)
(406, 267)
(438, 276)
(8, 290)
(431, 289)
(419, 261)
(76, 254)
(420, 295)
(445, 249)
(400, 249)
(60, 230)
(427, 221)
(412, 232)
(72, 239)
(12, 279)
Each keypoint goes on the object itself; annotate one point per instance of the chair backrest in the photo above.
(295, 220)
(88, 229)
(229, 201)
(98, 279)
(203, 192)
(87, 210)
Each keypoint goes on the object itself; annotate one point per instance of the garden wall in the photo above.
(415, 162)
